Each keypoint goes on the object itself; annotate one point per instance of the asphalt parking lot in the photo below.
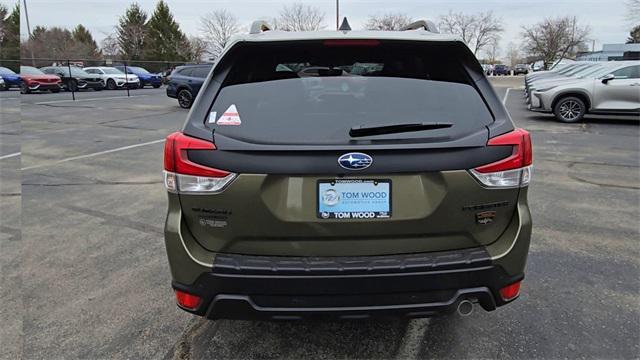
(88, 277)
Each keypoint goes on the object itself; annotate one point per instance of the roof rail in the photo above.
(259, 26)
(428, 25)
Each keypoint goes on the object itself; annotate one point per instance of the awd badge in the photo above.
(485, 217)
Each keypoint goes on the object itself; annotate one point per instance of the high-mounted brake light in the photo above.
(187, 301)
(512, 171)
(351, 42)
(184, 176)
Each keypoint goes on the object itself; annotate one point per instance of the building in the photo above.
(611, 52)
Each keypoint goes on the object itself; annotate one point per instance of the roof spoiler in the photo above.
(259, 26)
(428, 25)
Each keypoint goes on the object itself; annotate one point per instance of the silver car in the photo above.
(616, 92)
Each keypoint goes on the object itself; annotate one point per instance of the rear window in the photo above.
(315, 92)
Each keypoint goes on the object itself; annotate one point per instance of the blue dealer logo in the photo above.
(355, 161)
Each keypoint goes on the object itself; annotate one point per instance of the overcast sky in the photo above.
(605, 17)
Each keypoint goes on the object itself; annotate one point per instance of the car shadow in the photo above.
(370, 339)
(593, 119)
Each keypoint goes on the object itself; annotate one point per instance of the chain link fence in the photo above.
(149, 73)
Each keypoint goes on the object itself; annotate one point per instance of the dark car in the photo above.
(146, 78)
(520, 69)
(34, 79)
(11, 79)
(185, 81)
(397, 191)
(500, 69)
(75, 79)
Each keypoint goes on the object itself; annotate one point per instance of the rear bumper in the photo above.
(290, 288)
(297, 287)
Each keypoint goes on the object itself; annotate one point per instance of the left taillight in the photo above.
(512, 171)
(184, 176)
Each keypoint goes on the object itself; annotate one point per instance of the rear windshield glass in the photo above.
(315, 92)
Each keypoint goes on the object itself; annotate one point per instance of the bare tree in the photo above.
(478, 31)
(458, 24)
(217, 27)
(389, 21)
(513, 54)
(487, 30)
(109, 46)
(197, 48)
(493, 51)
(299, 17)
(554, 38)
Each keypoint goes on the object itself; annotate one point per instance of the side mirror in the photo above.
(606, 78)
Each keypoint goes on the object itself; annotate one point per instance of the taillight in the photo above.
(181, 175)
(188, 301)
(512, 171)
(510, 292)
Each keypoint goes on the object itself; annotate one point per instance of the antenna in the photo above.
(345, 25)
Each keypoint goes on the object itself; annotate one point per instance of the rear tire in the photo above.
(570, 109)
(111, 84)
(185, 98)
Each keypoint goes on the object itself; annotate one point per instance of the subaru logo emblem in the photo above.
(355, 161)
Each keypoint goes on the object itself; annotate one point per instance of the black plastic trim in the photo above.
(325, 162)
(287, 288)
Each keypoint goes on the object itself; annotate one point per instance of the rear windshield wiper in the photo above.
(358, 131)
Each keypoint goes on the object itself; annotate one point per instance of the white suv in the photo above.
(114, 78)
(616, 92)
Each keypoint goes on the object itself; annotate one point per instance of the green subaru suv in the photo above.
(346, 174)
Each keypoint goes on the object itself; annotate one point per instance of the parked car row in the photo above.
(56, 78)
(501, 69)
(570, 91)
(185, 82)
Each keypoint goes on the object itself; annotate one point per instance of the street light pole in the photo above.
(26, 14)
(337, 14)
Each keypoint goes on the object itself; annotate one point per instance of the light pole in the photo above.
(337, 14)
(26, 14)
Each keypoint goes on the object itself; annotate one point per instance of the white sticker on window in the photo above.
(212, 117)
(230, 117)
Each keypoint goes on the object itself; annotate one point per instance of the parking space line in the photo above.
(90, 99)
(94, 154)
(9, 155)
(506, 95)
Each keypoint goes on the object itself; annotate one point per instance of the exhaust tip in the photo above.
(465, 308)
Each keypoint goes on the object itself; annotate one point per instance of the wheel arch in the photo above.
(580, 94)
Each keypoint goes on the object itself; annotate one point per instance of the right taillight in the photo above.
(181, 175)
(512, 171)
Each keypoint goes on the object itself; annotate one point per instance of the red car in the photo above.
(35, 80)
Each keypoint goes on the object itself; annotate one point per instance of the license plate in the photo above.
(354, 199)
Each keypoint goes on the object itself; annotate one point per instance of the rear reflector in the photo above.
(187, 300)
(352, 42)
(512, 171)
(184, 176)
(510, 292)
